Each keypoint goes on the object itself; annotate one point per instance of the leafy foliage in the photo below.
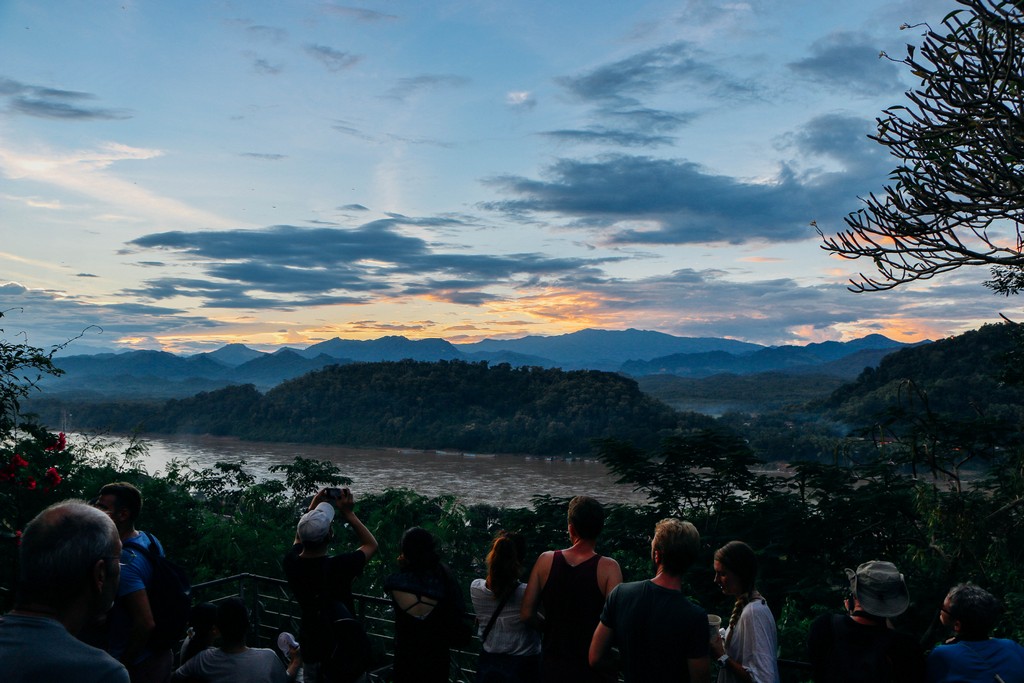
(957, 190)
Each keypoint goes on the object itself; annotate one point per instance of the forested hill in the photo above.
(414, 404)
(961, 375)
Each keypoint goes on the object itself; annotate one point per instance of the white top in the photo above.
(508, 635)
(254, 665)
(754, 645)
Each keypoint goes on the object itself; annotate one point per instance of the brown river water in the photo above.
(504, 480)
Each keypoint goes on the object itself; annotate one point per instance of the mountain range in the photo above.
(636, 353)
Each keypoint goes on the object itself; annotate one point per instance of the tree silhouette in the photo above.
(958, 194)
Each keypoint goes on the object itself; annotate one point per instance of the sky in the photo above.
(183, 175)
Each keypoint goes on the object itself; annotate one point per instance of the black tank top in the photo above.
(572, 607)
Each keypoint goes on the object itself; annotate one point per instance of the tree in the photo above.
(958, 195)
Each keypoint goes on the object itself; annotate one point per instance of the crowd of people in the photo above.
(574, 619)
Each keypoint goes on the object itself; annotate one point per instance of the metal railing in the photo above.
(273, 610)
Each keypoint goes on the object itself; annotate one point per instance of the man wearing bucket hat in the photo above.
(861, 645)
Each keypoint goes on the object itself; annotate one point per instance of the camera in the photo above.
(334, 493)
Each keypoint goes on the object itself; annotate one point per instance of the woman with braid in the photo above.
(747, 652)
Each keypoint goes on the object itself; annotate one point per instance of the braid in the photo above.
(740, 559)
(741, 601)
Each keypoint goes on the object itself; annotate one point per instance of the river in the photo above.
(505, 480)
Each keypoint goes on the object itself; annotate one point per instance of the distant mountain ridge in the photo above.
(823, 357)
(160, 374)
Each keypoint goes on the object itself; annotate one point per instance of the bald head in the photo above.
(59, 552)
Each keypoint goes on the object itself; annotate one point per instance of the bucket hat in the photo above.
(879, 588)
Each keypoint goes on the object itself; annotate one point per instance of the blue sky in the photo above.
(181, 175)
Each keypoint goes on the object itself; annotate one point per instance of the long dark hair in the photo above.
(419, 551)
(504, 563)
(740, 559)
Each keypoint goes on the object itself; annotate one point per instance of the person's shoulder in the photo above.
(543, 564)
(633, 587)
(146, 540)
(945, 651)
(350, 559)
(636, 590)
(759, 606)
(263, 653)
(479, 586)
(113, 672)
(1007, 644)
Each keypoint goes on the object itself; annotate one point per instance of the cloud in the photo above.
(334, 60)
(52, 103)
(681, 201)
(849, 63)
(55, 317)
(353, 207)
(284, 267)
(262, 66)
(359, 13)
(691, 302)
(614, 92)
(648, 200)
(86, 172)
(604, 136)
(407, 87)
(649, 71)
(265, 156)
(520, 99)
(271, 34)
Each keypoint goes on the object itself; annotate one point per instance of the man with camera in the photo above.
(323, 582)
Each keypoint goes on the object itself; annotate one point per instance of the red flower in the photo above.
(53, 478)
(18, 461)
(30, 483)
(62, 443)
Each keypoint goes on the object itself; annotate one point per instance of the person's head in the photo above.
(878, 589)
(419, 552)
(971, 611)
(586, 517)
(675, 545)
(201, 619)
(232, 622)
(123, 502)
(70, 553)
(505, 562)
(735, 568)
(314, 528)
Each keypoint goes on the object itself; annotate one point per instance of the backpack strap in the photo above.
(497, 611)
(149, 552)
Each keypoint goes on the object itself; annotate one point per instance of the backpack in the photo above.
(870, 665)
(169, 593)
(349, 651)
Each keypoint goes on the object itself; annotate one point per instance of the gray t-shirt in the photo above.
(40, 650)
(255, 665)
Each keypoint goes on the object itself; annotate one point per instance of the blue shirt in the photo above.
(977, 660)
(136, 575)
